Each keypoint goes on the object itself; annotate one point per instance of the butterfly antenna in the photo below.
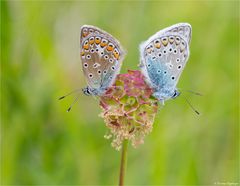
(195, 93)
(198, 113)
(192, 92)
(75, 91)
(76, 99)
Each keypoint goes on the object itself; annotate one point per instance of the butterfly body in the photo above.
(101, 56)
(163, 58)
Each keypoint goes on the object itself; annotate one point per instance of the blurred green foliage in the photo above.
(43, 144)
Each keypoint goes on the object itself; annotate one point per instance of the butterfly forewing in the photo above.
(101, 56)
(164, 56)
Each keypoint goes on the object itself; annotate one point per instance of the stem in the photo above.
(123, 162)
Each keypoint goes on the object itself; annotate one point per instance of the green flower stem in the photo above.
(123, 162)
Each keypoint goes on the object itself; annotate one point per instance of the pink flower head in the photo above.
(129, 109)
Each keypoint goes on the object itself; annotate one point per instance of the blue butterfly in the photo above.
(102, 57)
(163, 58)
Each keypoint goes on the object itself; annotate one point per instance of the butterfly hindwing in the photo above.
(163, 58)
(101, 56)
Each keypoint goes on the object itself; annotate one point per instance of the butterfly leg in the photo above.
(162, 101)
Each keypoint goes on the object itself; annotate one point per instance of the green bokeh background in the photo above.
(43, 144)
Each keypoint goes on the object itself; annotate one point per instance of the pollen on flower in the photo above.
(128, 109)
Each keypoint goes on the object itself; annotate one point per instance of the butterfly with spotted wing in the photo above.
(163, 58)
(102, 57)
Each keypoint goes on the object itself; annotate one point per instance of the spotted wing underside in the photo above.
(101, 56)
(164, 56)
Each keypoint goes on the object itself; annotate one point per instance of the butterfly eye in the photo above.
(175, 94)
(179, 67)
(110, 60)
(104, 71)
(159, 71)
(113, 68)
(153, 58)
(173, 77)
(177, 60)
(165, 72)
(148, 65)
(170, 49)
(92, 50)
(175, 51)
(160, 54)
(99, 71)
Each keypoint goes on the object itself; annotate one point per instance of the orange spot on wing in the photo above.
(164, 41)
(97, 40)
(84, 32)
(86, 46)
(157, 45)
(116, 54)
(109, 48)
(103, 44)
(91, 40)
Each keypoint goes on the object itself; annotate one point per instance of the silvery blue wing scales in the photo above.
(163, 58)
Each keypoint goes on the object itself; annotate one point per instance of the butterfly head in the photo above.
(163, 95)
(87, 91)
(176, 94)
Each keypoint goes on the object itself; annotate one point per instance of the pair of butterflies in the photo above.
(162, 59)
